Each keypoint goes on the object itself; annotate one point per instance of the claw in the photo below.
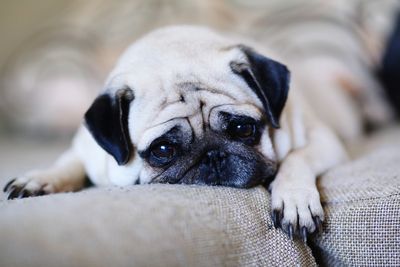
(276, 218)
(318, 224)
(24, 193)
(290, 231)
(6, 187)
(14, 192)
(303, 234)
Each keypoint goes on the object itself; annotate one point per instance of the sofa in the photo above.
(181, 225)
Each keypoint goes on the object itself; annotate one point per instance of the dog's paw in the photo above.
(26, 187)
(297, 210)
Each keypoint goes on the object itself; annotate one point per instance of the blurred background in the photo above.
(55, 55)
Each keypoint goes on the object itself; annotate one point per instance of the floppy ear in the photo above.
(107, 120)
(269, 79)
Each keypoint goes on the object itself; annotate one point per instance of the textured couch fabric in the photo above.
(169, 225)
(156, 225)
(362, 204)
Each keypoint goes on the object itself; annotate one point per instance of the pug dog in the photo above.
(186, 105)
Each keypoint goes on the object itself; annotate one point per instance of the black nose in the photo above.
(216, 160)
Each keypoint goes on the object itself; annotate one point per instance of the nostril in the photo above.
(216, 154)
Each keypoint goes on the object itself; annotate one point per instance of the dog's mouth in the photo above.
(220, 168)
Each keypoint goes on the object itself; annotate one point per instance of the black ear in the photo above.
(107, 120)
(268, 79)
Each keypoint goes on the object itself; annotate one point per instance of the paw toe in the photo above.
(23, 188)
(298, 216)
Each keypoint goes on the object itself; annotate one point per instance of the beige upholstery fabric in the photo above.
(362, 204)
(157, 225)
(166, 225)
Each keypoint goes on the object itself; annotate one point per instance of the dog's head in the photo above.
(184, 105)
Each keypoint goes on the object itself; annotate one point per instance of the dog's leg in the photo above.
(295, 198)
(67, 174)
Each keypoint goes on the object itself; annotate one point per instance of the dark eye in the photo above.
(163, 151)
(242, 131)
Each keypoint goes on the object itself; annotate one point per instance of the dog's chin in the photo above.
(233, 171)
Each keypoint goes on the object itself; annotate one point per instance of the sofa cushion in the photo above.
(361, 200)
(149, 225)
(168, 225)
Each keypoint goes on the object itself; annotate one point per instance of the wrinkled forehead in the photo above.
(192, 107)
(192, 98)
(193, 127)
